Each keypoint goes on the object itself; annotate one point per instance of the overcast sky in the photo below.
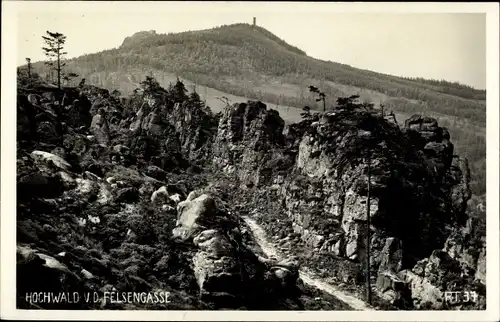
(449, 46)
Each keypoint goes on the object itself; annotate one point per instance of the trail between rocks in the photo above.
(307, 278)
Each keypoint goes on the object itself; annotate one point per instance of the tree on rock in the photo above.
(180, 91)
(150, 85)
(194, 100)
(194, 97)
(152, 88)
(322, 96)
(348, 103)
(54, 51)
(306, 114)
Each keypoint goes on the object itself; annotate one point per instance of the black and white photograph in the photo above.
(250, 160)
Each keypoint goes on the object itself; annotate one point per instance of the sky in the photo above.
(450, 46)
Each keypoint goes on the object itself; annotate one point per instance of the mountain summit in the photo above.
(138, 37)
(236, 35)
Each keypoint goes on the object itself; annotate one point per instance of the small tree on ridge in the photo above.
(54, 51)
(314, 89)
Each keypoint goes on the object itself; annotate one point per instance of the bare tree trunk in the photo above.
(58, 67)
(368, 275)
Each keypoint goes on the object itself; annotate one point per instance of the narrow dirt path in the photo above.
(307, 277)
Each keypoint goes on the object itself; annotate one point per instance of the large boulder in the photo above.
(76, 144)
(39, 184)
(99, 127)
(423, 293)
(160, 196)
(215, 267)
(227, 273)
(47, 158)
(192, 213)
(286, 272)
(38, 274)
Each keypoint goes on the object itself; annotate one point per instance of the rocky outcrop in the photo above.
(324, 181)
(152, 140)
(49, 158)
(226, 271)
(73, 233)
(45, 113)
(172, 134)
(325, 190)
(193, 212)
(247, 137)
(458, 267)
(195, 126)
(100, 128)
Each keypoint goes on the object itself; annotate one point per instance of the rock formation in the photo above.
(247, 135)
(100, 128)
(113, 197)
(97, 212)
(419, 189)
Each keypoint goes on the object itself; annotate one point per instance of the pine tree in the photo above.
(150, 85)
(306, 112)
(54, 52)
(321, 95)
(180, 91)
(360, 147)
(194, 97)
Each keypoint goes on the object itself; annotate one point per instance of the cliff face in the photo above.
(324, 188)
(418, 188)
(247, 138)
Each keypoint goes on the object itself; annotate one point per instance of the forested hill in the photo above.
(229, 57)
(251, 62)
